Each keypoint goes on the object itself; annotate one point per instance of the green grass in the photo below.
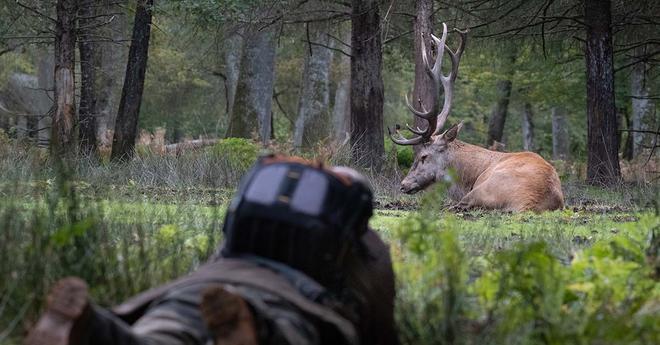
(481, 232)
(123, 234)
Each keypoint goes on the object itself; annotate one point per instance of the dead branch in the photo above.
(189, 145)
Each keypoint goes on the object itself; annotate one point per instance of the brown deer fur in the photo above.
(516, 182)
(521, 181)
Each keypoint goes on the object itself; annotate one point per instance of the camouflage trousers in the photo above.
(175, 319)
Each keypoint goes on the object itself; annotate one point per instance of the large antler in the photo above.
(435, 72)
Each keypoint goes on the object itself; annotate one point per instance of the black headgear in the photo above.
(297, 214)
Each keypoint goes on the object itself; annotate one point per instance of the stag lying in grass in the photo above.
(519, 181)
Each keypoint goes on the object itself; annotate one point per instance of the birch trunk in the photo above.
(313, 122)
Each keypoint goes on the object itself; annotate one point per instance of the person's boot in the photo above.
(63, 321)
(228, 317)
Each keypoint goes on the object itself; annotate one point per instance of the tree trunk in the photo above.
(602, 145)
(87, 111)
(313, 122)
(498, 115)
(232, 54)
(45, 83)
(423, 89)
(560, 138)
(528, 128)
(254, 91)
(627, 152)
(63, 125)
(131, 96)
(110, 63)
(366, 85)
(643, 107)
(341, 108)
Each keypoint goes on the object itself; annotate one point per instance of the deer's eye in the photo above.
(423, 158)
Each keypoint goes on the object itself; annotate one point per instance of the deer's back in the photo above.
(524, 181)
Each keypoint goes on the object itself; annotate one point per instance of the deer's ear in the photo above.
(452, 133)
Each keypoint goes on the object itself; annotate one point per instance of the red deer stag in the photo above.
(518, 181)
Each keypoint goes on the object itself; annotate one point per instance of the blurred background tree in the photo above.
(278, 72)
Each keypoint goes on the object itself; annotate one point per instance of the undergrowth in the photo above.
(587, 274)
(527, 293)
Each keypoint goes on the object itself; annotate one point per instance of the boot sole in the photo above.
(67, 302)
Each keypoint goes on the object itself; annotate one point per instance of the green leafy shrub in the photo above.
(237, 152)
(405, 156)
(4, 138)
(609, 293)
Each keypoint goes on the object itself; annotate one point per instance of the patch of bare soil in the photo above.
(624, 218)
(396, 205)
(469, 215)
(590, 207)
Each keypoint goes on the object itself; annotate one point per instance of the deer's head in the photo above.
(431, 162)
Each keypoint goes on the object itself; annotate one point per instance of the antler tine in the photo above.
(426, 115)
(417, 130)
(448, 81)
(456, 56)
(440, 44)
(446, 108)
(403, 141)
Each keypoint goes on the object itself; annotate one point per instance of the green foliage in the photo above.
(119, 248)
(405, 156)
(524, 294)
(4, 139)
(572, 276)
(178, 95)
(238, 152)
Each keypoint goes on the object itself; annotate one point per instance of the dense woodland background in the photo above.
(125, 126)
(567, 79)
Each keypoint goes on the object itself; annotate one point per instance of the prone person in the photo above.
(298, 265)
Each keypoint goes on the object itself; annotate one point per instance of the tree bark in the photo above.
(627, 152)
(63, 125)
(313, 122)
(498, 115)
(528, 128)
(366, 85)
(131, 97)
(560, 138)
(423, 88)
(45, 82)
(87, 111)
(341, 108)
(232, 55)
(643, 107)
(602, 146)
(110, 63)
(253, 103)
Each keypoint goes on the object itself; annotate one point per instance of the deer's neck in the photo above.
(470, 161)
